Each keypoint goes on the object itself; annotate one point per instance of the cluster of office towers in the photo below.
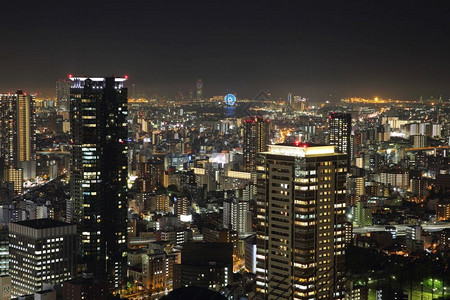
(42, 251)
(300, 212)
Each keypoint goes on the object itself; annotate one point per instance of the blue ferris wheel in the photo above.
(230, 100)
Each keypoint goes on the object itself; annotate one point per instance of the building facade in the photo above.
(235, 214)
(41, 251)
(85, 287)
(340, 133)
(300, 222)
(63, 94)
(98, 112)
(17, 134)
(256, 139)
(206, 265)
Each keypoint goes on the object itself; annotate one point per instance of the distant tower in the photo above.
(256, 139)
(290, 99)
(199, 89)
(340, 133)
(63, 94)
(302, 104)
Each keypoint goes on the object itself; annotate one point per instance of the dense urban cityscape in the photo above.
(251, 198)
(254, 183)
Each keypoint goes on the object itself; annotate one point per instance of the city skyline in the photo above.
(253, 150)
(314, 50)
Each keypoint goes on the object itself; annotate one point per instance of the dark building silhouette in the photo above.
(98, 113)
(256, 139)
(85, 287)
(206, 265)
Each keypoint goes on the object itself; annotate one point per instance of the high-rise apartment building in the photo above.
(63, 94)
(256, 139)
(98, 113)
(340, 133)
(181, 206)
(41, 251)
(17, 134)
(300, 222)
(235, 215)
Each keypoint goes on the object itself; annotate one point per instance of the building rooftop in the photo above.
(299, 149)
(301, 144)
(42, 223)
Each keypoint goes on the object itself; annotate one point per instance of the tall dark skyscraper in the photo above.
(256, 139)
(98, 112)
(340, 133)
(300, 222)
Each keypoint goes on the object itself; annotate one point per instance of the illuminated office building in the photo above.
(41, 252)
(15, 176)
(340, 133)
(256, 139)
(98, 111)
(300, 222)
(17, 134)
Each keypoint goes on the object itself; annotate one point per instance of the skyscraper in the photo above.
(340, 133)
(199, 89)
(18, 133)
(235, 214)
(256, 139)
(300, 222)
(63, 94)
(98, 113)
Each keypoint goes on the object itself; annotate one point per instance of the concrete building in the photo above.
(206, 265)
(235, 215)
(250, 253)
(85, 287)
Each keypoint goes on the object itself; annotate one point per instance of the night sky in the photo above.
(311, 48)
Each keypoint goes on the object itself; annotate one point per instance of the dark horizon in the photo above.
(313, 49)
